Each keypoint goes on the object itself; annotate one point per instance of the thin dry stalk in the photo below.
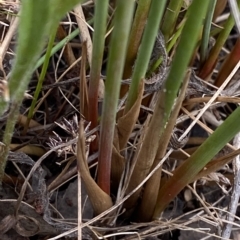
(213, 98)
(83, 27)
(7, 40)
(235, 192)
(79, 207)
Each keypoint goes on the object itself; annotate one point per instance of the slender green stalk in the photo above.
(41, 77)
(100, 25)
(188, 41)
(58, 46)
(213, 55)
(170, 18)
(206, 31)
(139, 22)
(118, 47)
(145, 51)
(176, 36)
